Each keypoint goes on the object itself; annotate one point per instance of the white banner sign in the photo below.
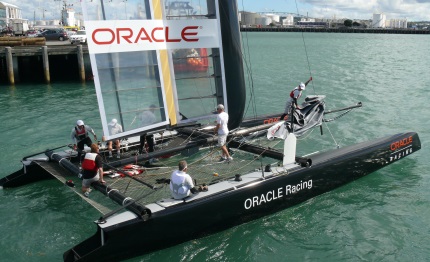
(138, 35)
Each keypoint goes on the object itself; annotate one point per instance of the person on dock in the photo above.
(80, 137)
(114, 128)
(295, 94)
(92, 169)
(221, 129)
(181, 183)
(147, 118)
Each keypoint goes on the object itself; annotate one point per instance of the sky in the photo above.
(412, 10)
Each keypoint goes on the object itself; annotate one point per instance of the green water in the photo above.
(382, 217)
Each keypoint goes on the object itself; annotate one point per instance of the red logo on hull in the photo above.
(401, 143)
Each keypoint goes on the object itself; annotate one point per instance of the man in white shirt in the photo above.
(114, 128)
(222, 130)
(181, 183)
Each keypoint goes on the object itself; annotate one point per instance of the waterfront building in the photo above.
(263, 21)
(288, 21)
(378, 20)
(8, 14)
(397, 23)
(275, 18)
(247, 19)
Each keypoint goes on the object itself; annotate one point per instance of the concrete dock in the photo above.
(44, 63)
(335, 30)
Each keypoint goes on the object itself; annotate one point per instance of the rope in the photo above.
(306, 51)
(337, 145)
(337, 117)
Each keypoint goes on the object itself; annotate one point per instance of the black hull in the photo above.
(236, 206)
(26, 175)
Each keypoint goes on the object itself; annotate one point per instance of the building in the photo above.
(8, 14)
(68, 16)
(378, 20)
(397, 23)
(288, 21)
(275, 18)
(263, 21)
(248, 18)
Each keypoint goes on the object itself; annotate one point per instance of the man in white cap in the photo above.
(295, 94)
(222, 130)
(80, 136)
(114, 128)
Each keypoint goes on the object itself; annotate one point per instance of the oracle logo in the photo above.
(126, 35)
(401, 143)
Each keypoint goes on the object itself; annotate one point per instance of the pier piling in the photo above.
(9, 65)
(46, 64)
(81, 63)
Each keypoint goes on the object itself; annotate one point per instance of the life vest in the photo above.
(292, 93)
(81, 134)
(89, 163)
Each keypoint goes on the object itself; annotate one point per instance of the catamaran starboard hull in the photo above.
(239, 204)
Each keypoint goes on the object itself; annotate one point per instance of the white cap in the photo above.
(113, 122)
(302, 86)
(220, 106)
(79, 123)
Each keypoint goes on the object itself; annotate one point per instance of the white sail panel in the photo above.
(152, 74)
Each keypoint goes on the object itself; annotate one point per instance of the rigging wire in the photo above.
(310, 72)
(306, 51)
(239, 44)
(250, 78)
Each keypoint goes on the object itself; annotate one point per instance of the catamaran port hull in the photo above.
(235, 205)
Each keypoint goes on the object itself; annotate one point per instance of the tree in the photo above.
(272, 24)
(347, 23)
(356, 24)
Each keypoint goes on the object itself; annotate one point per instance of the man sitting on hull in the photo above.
(181, 184)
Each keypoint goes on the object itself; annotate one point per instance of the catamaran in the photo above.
(139, 72)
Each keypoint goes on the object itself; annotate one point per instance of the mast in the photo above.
(233, 65)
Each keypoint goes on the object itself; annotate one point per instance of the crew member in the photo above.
(295, 94)
(114, 128)
(181, 184)
(92, 169)
(222, 130)
(147, 118)
(80, 136)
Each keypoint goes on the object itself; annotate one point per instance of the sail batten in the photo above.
(197, 97)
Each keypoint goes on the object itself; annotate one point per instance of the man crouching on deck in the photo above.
(92, 169)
